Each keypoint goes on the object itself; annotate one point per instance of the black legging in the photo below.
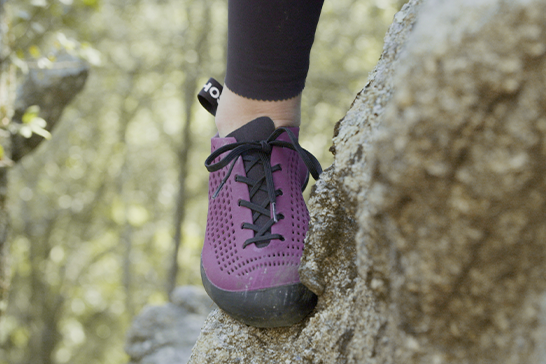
(269, 42)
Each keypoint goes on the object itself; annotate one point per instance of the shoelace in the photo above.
(262, 155)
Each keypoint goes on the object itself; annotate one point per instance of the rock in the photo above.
(427, 241)
(343, 326)
(454, 218)
(165, 334)
(51, 88)
(193, 299)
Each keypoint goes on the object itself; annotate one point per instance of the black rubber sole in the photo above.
(272, 307)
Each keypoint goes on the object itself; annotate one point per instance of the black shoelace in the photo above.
(254, 153)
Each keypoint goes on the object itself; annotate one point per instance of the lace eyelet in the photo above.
(282, 238)
(280, 216)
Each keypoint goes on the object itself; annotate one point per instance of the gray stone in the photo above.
(165, 334)
(51, 88)
(193, 299)
(427, 238)
(454, 218)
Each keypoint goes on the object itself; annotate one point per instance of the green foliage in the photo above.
(32, 124)
(93, 208)
(41, 28)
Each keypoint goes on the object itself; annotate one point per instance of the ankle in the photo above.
(235, 111)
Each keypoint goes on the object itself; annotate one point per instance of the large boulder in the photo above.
(345, 323)
(427, 241)
(166, 334)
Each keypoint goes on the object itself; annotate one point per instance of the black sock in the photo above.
(269, 42)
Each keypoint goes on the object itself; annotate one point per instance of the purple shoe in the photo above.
(256, 225)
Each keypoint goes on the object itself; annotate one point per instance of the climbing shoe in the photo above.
(256, 224)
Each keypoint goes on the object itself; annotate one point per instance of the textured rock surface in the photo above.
(454, 224)
(428, 236)
(166, 334)
(344, 326)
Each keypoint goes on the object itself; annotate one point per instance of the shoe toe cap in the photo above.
(277, 306)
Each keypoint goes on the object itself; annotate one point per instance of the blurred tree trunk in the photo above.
(189, 90)
(6, 102)
(47, 305)
(50, 89)
(189, 94)
(126, 232)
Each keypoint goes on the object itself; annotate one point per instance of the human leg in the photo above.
(257, 217)
(234, 111)
(269, 43)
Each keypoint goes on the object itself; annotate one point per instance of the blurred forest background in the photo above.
(108, 216)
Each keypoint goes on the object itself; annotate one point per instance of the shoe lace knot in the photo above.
(253, 153)
(266, 146)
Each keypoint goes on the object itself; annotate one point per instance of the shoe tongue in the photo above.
(256, 130)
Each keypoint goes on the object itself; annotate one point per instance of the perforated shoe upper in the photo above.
(228, 262)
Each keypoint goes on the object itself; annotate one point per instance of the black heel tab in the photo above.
(210, 95)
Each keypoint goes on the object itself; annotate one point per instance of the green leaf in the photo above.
(30, 114)
(37, 126)
(33, 124)
(39, 122)
(25, 131)
(91, 3)
(34, 51)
